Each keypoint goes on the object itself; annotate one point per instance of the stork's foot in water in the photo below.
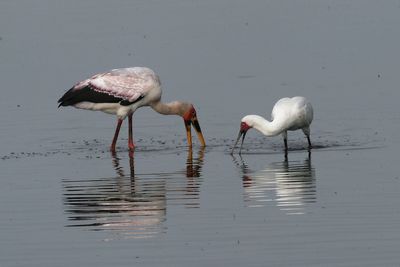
(114, 141)
(131, 147)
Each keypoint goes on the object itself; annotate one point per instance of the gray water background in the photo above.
(65, 200)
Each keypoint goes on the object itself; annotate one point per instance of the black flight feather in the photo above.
(86, 94)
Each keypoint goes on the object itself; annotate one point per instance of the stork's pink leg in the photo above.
(114, 142)
(131, 145)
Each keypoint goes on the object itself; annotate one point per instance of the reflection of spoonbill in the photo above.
(290, 184)
(288, 114)
(121, 92)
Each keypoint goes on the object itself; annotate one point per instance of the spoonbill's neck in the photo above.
(268, 128)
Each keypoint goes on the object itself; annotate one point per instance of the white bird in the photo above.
(288, 114)
(121, 92)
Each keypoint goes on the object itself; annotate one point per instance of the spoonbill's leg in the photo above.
(112, 148)
(306, 131)
(309, 142)
(284, 134)
(131, 145)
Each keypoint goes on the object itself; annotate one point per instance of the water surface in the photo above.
(66, 200)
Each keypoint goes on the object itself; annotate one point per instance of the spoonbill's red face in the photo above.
(190, 118)
(244, 127)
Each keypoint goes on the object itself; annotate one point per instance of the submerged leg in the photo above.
(284, 134)
(306, 131)
(131, 145)
(112, 148)
(309, 142)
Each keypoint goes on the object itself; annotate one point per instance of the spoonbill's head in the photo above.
(189, 115)
(245, 125)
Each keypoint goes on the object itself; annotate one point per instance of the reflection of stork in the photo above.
(288, 184)
(193, 174)
(193, 167)
(121, 204)
(132, 205)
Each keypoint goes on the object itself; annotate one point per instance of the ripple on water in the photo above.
(91, 148)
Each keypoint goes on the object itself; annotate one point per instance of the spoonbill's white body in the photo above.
(121, 92)
(288, 114)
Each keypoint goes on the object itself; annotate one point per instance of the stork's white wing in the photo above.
(128, 83)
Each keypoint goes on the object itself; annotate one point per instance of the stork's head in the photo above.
(189, 115)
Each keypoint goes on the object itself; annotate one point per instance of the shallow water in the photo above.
(66, 200)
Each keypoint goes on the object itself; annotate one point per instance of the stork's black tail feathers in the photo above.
(65, 100)
(86, 94)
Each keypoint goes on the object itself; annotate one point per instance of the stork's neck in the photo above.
(171, 108)
(268, 128)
